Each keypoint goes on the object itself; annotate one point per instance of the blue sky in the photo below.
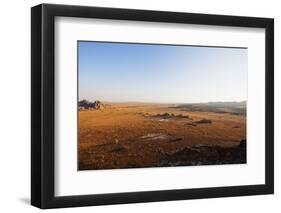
(123, 72)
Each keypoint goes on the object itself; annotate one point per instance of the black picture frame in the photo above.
(43, 101)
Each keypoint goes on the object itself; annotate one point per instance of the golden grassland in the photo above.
(139, 135)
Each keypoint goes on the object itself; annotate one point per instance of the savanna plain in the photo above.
(138, 135)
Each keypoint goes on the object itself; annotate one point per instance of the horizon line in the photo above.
(150, 102)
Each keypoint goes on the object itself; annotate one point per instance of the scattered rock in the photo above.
(203, 121)
(182, 116)
(166, 115)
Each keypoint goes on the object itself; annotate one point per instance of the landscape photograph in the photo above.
(160, 105)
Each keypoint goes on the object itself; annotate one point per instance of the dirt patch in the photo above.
(160, 137)
(118, 148)
(190, 124)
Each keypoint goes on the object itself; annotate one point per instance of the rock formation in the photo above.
(87, 105)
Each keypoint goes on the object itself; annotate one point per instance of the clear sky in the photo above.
(123, 72)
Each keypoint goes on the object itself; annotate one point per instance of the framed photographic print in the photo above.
(139, 106)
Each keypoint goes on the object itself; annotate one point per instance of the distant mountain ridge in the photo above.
(226, 104)
(236, 108)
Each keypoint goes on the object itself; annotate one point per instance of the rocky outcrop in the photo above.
(98, 105)
(87, 105)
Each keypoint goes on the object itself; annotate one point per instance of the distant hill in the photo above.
(235, 104)
(236, 108)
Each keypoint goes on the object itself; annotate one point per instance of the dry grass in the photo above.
(136, 135)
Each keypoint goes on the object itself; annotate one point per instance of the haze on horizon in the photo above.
(123, 72)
